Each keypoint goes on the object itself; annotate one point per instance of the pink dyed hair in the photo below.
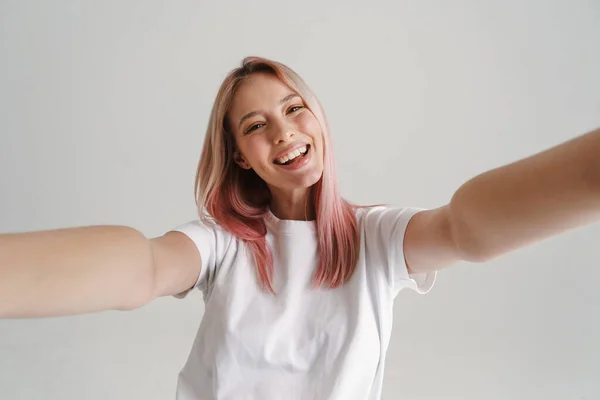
(238, 200)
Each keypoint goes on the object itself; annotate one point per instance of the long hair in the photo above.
(238, 199)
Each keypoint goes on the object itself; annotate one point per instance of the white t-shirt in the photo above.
(302, 343)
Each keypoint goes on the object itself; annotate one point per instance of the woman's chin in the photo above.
(303, 181)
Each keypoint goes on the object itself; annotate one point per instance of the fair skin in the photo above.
(268, 120)
(510, 207)
(550, 192)
(67, 271)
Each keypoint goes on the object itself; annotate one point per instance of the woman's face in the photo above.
(276, 135)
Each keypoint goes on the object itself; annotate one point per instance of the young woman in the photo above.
(298, 283)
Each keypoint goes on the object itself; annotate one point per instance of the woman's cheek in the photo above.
(309, 124)
(258, 150)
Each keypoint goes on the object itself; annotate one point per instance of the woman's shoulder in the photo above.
(381, 215)
(379, 209)
(205, 226)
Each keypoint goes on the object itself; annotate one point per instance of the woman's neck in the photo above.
(297, 205)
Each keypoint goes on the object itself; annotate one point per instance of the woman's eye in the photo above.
(294, 109)
(254, 127)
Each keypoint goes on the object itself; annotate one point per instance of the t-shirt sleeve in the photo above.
(212, 242)
(385, 228)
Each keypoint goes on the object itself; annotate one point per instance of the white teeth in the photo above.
(292, 155)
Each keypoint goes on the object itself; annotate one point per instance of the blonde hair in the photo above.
(238, 200)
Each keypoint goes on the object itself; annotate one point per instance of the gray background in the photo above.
(104, 105)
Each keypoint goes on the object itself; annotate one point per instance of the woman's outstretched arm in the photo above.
(510, 207)
(88, 269)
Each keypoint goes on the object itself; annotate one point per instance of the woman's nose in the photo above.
(282, 132)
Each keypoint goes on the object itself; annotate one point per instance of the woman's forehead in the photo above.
(259, 91)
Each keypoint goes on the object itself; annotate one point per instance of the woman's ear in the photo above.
(240, 160)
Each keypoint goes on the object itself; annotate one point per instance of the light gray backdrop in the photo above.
(103, 107)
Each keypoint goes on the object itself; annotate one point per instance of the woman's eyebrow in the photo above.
(288, 97)
(254, 113)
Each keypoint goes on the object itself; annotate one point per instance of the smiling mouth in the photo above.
(294, 157)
